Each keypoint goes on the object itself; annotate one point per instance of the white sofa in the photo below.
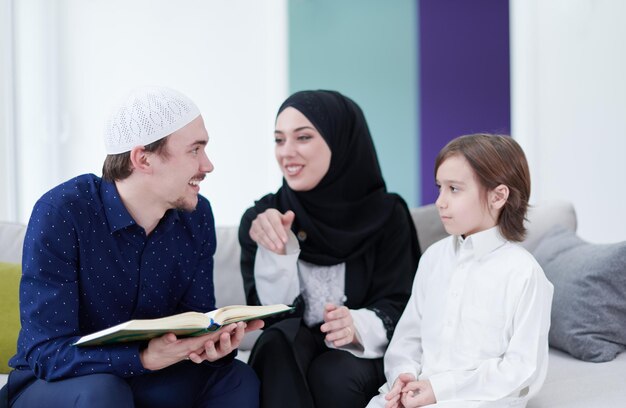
(570, 382)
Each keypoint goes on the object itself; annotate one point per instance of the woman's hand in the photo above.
(339, 326)
(270, 229)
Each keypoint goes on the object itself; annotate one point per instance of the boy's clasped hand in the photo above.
(408, 392)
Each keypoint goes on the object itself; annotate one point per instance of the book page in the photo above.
(182, 324)
(235, 313)
(188, 323)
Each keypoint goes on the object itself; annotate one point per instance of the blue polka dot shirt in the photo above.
(87, 266)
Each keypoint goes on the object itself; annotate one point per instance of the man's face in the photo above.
(184, 164)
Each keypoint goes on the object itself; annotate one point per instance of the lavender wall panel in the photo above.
(464, 79)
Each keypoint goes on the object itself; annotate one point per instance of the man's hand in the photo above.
(270, 228)
(168, 349)
(417, 394)
(339, 326)
(394, 396)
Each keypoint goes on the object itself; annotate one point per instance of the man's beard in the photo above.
(184, 205)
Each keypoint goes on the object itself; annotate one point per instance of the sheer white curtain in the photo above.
(74, 58)
(38, 101)
(8, 163)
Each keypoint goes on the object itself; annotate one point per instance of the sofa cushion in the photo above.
(572, 383)
(9, 312)
(589, 305)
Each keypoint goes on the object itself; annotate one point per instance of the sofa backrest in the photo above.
(544, 216)
(541, 218)
(228, 281)
(227, 273)
(227, 276)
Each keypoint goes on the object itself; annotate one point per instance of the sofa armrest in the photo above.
(11, 242)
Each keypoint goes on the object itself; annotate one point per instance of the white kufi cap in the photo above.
(145, 116)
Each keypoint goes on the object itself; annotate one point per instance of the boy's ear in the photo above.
(139, 158)
(498, 197)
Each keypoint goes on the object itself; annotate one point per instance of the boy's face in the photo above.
(461, 202)
(179, 173)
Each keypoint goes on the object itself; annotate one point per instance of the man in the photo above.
(137, 243)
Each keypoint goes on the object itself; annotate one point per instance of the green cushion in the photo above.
(10, 275)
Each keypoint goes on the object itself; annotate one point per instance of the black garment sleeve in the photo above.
(248, 255)
(389, 268)
(379, 280)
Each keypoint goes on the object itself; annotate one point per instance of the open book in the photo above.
(183, 324)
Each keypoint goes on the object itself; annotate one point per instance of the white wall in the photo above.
(74, 57)
(569, 106)
(77, 57)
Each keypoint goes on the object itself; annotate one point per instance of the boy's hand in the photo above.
(394, 396)
(417, 394)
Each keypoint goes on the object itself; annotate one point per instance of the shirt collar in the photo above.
(480, 243)
(118, 216)
(115, 212)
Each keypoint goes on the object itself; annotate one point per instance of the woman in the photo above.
(336, 245)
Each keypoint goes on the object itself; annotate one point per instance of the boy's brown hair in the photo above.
(118, 166)
(497, 159)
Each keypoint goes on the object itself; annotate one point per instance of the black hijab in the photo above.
(341, 217)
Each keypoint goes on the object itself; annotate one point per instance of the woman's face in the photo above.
(301, 152)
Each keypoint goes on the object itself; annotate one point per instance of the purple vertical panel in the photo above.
(464, 80)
